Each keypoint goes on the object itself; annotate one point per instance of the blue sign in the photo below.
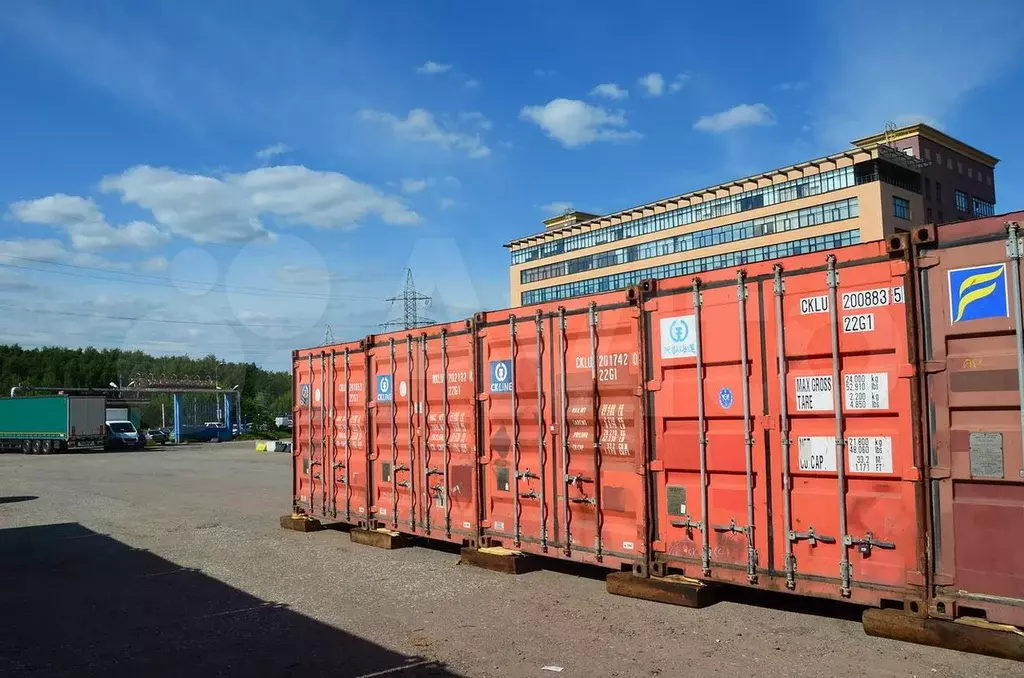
(385, 390)
(725, 397)
(501, 376)
(978, 292)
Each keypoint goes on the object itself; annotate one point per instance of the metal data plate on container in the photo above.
(986, 455)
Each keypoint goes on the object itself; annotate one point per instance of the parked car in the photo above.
(159, 436)
(123, 435)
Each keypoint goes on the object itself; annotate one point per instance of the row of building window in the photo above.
(717, 235)
(831, 180)
(691, 267)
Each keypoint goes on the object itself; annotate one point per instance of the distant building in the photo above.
(884, 184)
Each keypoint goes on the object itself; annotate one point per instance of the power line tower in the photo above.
(328, 336)
(411, 300)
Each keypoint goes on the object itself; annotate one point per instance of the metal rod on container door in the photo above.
(596, 430)
(515, 428)
(564, 408)
(446, 453)
(348, 436)
(428, 496)
(541, 435)
(309, 422)
(333, 438)
(832, 278)
(748, 437)
(705, 556)
(394, 437)
(787, 481)
(1013, 250)
(412, 457)
(323, 432)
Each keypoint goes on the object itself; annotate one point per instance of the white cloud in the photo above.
(414, 185)
(791, 86)
(51, 250)
(905, 119)
(743, 115)
(421, 126)
(433, 68)
(446, 203)
(83, 221)
(154, 264)
(476, 118)
(678, 82)
(472, 83)
(453, 182)
(576, 123)
(271, 151)
(229, 209)
(653, 83)
(609, 90)
(557, 207)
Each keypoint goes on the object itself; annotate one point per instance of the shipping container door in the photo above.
(708, 413)
(349, 452)
(310, 432)
(598, 389)
(515, 460)
(974, 421)
(392, 445)
(449, 465)
(844, 441)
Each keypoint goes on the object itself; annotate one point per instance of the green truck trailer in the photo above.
(45, 424)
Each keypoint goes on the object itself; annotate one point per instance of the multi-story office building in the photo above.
(885, 184)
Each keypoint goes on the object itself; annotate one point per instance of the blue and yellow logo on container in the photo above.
(978, 292)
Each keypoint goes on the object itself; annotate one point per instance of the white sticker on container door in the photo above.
(817, 453)
(679, 337)
(869, 455)
(814, 394)
(867, 391)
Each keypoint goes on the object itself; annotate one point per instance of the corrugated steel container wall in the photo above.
(563, 430)
(752, 485)
(972, 359)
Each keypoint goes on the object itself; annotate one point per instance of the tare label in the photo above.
(866, 391)
(814, 394)
(872, 454)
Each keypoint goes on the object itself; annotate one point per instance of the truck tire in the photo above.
(47, 447)
(26, 446)
(37, 447)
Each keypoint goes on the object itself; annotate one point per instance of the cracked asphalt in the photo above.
(171, 562)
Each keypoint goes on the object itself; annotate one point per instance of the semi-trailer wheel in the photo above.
(26, 446)
(47, 446)
(37, 447)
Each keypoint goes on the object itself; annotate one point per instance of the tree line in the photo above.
(265, 394)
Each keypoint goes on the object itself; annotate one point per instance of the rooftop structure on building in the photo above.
(885, 183)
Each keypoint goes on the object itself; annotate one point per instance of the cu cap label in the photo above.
(501, 376)
(384, 389)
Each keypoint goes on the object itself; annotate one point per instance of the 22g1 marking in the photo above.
(865, 322)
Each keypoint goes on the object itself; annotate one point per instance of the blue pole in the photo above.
(177, 418)
(227, 413)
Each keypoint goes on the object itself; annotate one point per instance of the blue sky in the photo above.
(231, 177)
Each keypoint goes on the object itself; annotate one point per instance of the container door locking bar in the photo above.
(702, 438)
(866, 543)
(787, 481)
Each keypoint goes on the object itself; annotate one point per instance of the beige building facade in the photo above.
(859, 195)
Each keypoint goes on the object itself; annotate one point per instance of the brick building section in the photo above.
(951, 166)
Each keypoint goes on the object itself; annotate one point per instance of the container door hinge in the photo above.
(657, 465)
(653, 385)
(906, 371)
(934, 366)
(927, 261)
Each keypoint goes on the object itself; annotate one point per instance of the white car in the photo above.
(123, 434)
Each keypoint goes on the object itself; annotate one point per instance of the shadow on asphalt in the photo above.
(74, 602)
(17, 499)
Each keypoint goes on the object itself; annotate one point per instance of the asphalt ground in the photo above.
(171, 562)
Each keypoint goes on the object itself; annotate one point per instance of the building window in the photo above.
(961, 201)
(983, 208)
(927, 188)
(900, 208)
(938, 191)
(938, 157)
(949, 163)
(959, 167)
(942, 219)
(970, 172)
(617, 281)
(928, 214)
(927, 154)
